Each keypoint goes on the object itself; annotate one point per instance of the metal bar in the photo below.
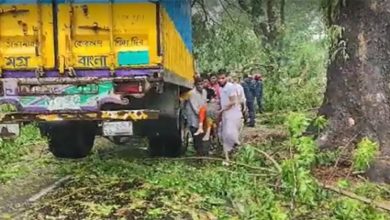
(112, 49)
(69, 58)
(124, 115)
(159, 28)
(54, 11)
(1, 55)
(84, 80)
(39, 37)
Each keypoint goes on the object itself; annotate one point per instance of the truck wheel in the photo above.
(71, 140)
(156, 146)
(166, 146)
(172, 143)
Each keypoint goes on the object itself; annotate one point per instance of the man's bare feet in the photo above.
(206, 137)
(199, 131)
(226, 163)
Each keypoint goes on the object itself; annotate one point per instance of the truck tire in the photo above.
(166, 146)
(173, 142)
(71, 140)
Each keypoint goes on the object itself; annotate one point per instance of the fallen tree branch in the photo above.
(223, 160)
(276, 164)
(249, 174)
(284, 112)
(382, 205)
(48, 189)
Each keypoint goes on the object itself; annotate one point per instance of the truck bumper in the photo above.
(122, 115)
(9, 122)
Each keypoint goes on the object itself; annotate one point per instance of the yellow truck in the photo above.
(81, 68)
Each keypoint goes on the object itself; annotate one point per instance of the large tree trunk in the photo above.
(358, 89)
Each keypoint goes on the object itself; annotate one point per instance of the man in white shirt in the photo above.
(241, 99)
(240, 92)
(231, 115)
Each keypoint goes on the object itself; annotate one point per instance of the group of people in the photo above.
(217, 105)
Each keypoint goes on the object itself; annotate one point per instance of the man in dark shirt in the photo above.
(259, 92)
(249, 90)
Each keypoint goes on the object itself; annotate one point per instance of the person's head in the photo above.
(257, 77)
(255, 73)
(206, 83)
(246, 76)
(233, 77)
(223, 77)
(198, 83)
(236, 79)
(214, 99)
(213, 78)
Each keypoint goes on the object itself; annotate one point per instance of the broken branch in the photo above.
(382, 205)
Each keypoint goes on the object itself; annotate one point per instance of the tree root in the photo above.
(382, 205)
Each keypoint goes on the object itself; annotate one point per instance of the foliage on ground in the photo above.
(13, 153)
(270, 180)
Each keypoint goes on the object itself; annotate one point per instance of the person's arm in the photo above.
(254, 90)
(243, 98)
(194, 104)
(261, 89)
(232, 100)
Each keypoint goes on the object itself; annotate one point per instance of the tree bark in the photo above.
(358, 89)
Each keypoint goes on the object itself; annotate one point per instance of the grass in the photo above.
(267, 180)
(18, 155)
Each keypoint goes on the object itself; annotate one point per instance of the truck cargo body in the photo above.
(94, 60)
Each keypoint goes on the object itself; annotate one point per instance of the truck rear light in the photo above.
(129, 88)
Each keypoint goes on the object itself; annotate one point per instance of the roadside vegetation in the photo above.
(17, 155)
(279, 173)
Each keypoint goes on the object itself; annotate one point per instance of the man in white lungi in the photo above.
(241, 100)
(230, 114)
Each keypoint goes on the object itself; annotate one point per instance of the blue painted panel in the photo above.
(126, 58)
(180, 13)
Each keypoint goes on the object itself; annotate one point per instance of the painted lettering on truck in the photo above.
(96, 67)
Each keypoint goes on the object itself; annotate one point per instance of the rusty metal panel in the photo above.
(107, 35)
(26, 35)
